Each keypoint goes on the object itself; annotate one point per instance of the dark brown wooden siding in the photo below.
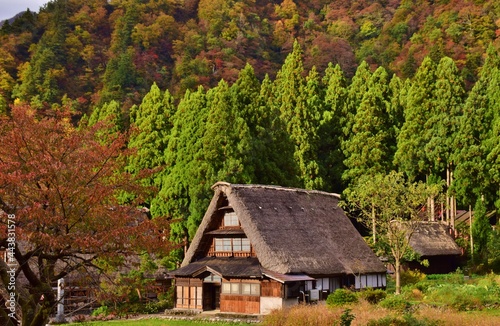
(271, 288)
(245, 304)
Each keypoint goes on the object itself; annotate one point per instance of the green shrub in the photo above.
(395, 302)
(373, 296)
(341, 297)
(156, 306)
(465, 297)
(412, 277)
(102, 310)
(346, 318)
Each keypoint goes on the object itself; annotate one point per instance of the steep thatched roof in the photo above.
(291, 230)
(433, 239)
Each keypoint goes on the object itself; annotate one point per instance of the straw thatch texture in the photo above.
(433, 239)
(291, 230)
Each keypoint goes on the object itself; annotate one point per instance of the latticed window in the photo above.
(231, 219)
(232, 244)
(241, 288)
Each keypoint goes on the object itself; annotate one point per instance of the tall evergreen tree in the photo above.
(368, 152)
(330, 133)
(226, 141)
(471, 175)
(253, 102)
(278, 166)
(398, 92)
(410, 155)
(355, 92)
(443, 122)
(307, 122)
(151, 125)
(182, 176)
(302, 118)
(492, 142)
(110, 113)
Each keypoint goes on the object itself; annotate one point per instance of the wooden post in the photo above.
(60, 301)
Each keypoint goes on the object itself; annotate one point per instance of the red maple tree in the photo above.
(59, 207)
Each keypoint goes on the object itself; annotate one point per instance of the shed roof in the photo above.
(292, 230)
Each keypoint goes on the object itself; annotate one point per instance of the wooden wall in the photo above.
(271, 288)
(245, 304)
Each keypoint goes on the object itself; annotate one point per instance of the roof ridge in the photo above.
(273, 187)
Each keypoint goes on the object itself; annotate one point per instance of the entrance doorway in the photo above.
(211, 296)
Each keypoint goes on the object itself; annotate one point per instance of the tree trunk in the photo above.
(470, 231)
(447, 196)
(397, 267)
(453, 203)
(374, 226)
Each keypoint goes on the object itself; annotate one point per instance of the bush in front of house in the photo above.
(412, 277)
(372, 295)
(341, 297)
(395, 302)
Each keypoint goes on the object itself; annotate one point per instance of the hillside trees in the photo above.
(58, 189)
(41, 78)
(120, 77)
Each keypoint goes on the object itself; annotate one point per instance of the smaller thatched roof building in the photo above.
(433, 241)
(286, 240)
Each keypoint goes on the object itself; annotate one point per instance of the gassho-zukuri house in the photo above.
(260, 248)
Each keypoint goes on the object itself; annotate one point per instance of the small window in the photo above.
(235, 288)
(226, 288)
(245, 244)
(246, 288)
(226, 245)
(236, 244)
(255, 289)
(231, 219)
(219, 245)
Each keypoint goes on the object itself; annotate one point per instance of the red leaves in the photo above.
(62, 184)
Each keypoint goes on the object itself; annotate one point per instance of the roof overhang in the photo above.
(287, 278)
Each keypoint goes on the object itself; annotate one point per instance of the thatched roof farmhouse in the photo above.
(264, 247)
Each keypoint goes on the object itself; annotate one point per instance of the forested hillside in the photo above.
(312, 94)
(91, 52)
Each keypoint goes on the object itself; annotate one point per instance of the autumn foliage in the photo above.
(62, 184)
